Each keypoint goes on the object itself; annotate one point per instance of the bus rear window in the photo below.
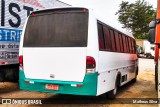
(63, 29)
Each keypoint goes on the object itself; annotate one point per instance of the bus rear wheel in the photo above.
(112, 94)
(1, 76)
(11, 75)
(135, 79)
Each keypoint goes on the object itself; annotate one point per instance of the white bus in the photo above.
(70, 51)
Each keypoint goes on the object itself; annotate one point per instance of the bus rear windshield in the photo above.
(57, 29)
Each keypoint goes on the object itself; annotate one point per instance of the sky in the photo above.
(105, 9)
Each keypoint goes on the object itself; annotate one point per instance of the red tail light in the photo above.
(33, 15)
(90, 62)
(79, 85)
(21, 59)
(27, 82)
(20, 62)
(3, 62)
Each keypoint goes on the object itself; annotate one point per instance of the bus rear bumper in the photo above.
(87, 87)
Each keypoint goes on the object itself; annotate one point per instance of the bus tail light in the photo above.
(90, 64)
(21, 62)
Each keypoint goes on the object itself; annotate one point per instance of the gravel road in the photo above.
(143, 88)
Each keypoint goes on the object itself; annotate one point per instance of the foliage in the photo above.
(136, 17)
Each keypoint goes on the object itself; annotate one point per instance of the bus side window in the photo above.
(101, 37)
(113, 40)
(107, 38)
(134, 46)
(117, 41)
(121, 42)
(132, 42)
(124, 44)
(127, 44)
(130, 45)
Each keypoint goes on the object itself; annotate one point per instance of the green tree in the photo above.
(136, 17)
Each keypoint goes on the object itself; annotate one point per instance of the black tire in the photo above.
(112, 94)
(11, 75)
(156, 76)
(135, 79)
(2, 77)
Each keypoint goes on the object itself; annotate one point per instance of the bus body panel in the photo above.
(92, 46)
(89, 85)
(110, 64)
(65, 64)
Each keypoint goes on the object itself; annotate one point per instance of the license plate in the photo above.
(52, 87)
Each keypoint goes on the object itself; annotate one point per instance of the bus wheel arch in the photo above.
(112, 94)
(136, 73)
(118, 78)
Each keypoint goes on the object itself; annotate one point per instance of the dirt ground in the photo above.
(143, 88)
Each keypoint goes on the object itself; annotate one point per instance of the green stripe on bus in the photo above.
(89, 85)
